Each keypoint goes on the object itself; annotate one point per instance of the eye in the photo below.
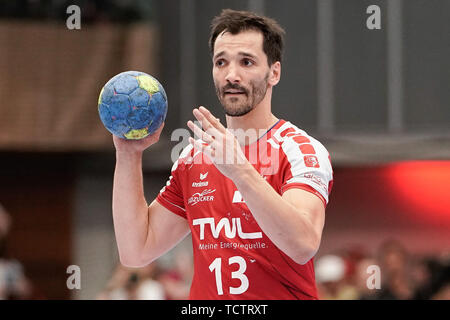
(247, 62)
(220, 63)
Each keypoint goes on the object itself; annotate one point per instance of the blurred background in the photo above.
(379, 100)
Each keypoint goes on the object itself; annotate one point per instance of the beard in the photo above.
(244, 102)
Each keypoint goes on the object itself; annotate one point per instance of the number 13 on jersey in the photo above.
(216, 266)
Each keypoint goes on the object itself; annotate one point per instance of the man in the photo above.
(256, 224)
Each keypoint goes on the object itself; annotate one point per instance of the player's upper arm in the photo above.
(165, 230)
(310, 205)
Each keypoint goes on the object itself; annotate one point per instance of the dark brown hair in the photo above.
(236, 21)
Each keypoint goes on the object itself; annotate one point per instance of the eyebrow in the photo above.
(241, 53)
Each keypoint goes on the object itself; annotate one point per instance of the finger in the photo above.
(215, 122)
(199, 132)
(206, 124)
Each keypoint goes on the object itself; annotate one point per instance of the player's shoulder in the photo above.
(290, 137)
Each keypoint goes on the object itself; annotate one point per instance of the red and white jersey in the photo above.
(233, 258)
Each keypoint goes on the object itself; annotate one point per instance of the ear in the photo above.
(275, 74)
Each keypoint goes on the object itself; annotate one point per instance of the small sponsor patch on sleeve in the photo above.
(311, 161)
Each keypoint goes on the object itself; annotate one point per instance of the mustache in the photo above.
(234, 86)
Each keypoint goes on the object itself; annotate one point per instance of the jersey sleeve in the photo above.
(171, 195)
(307, 166)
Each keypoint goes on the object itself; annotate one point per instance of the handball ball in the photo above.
(132, 105)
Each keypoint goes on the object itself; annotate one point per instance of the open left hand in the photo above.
(220, 145)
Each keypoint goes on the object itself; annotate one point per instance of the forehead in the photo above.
(250, 41)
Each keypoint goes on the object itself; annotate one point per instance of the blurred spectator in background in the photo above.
(421, 278)
(394, 263)
(13, 283)
(133, 284)
(339, 276)
(345, 276)
(177, 280)
(332, 283)
(438, 286)
(120, 286)
(148, 287)
(152, 282)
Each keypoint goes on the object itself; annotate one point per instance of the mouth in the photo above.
(234, 92)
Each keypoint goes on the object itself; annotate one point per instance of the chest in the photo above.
(208, 193)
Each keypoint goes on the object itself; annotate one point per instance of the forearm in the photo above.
(287, 227)
(130, 209)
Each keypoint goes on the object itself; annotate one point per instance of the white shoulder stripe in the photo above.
(308, 159)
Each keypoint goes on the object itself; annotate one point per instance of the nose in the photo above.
(232, 74)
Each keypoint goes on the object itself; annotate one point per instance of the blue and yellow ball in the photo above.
(132, 105)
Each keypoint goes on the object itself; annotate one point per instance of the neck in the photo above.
(258, 121)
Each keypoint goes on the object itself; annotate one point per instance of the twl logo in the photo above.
(224, 223)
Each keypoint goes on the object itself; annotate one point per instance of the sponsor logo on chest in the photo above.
(204, 196)
(231, 228)
(201, 183)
